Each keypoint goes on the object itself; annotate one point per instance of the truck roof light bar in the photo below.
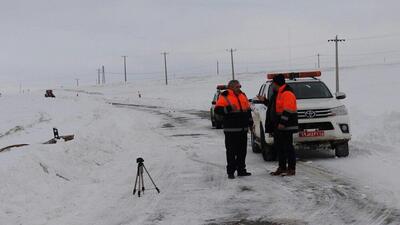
(294, 75)
(221, 87)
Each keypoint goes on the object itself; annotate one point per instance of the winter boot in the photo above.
(231, 176)
(289, 172)
(278, 171)
(243, 173)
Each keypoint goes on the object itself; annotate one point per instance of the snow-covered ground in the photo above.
(89, 180)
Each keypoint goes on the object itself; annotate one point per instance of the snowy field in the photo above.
(89, 180)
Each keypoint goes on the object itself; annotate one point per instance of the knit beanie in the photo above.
(279, 79)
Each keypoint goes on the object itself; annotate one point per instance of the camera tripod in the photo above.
(139, 177)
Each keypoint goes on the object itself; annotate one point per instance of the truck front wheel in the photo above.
(342, 150)
(254, 146)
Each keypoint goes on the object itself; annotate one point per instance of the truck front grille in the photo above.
(314, 113)
(318, 126)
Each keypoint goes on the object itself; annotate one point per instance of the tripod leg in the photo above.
(141, 182)
(136, 179)
(141, 174)
(155, 186)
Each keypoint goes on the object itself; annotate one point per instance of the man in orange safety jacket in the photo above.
(235, 108)
(287, 124)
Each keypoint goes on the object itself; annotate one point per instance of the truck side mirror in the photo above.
(340, 95)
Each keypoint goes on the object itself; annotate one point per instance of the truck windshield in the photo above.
(306, 90)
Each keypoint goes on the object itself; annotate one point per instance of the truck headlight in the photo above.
(339, 111)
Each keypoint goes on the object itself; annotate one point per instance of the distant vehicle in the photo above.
(216, 120)
(49, 94)
(323, 119)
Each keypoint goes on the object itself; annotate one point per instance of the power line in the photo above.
(372, 53)
(375, 36)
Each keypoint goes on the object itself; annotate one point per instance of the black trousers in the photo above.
(284, 146)
(236, 150)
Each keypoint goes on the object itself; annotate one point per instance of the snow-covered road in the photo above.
(89, 180)
(314, 196)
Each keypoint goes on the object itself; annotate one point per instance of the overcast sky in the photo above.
(57, 41)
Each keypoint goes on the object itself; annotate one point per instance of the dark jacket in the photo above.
(271, 120)
(235, 110)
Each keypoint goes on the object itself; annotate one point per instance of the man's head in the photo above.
(235, 86)
(279, 80)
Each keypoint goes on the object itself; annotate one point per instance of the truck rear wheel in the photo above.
(342, 150)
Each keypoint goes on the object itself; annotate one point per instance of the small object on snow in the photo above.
(139, 94)
(12, 146)
(58, 137)
(49, 94)
(64, 137)
(139, 175)
(55, 132)
(51, 141)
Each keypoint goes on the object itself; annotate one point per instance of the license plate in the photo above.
(312, 133)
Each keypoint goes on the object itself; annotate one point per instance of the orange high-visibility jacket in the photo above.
(286, 108)
(236, 111)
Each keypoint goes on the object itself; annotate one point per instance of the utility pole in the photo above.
(124, 56)
(104, 75)
(98, 76)
(77, 85)
(217, 67)
(318, 61)
(165, 67)
(233, 69)
(336, 40)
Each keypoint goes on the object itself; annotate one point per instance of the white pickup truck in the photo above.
(323, 118)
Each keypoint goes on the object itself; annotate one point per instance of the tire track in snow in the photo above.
(43, 117)
(338, 196)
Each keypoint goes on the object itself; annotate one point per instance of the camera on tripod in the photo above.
(139, 160)
(139, 182)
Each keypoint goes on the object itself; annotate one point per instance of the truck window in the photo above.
(307, 90)
(261, 91)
